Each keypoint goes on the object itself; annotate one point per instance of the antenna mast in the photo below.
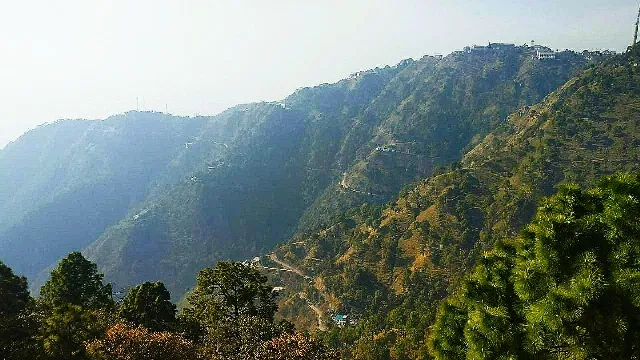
(635, 34)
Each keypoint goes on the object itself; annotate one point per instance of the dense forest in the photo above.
(480, 205)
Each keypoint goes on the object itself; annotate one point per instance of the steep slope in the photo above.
(263, 170)
(392, 264)
(431, 113)
(64, 183)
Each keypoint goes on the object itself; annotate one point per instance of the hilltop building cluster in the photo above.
(538, 52)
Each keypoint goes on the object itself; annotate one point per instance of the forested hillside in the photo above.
(259, 172)
(151, 196)
(463, 146)
(389, 266)
(63, 184)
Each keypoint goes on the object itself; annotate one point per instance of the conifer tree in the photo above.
(149, 305)
(235, 308)
(76, 281)
(77, 308)
(568, 287)
(230, 291)
(17, 323)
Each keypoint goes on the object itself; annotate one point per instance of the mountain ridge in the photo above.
(254, 174)
(390, 265)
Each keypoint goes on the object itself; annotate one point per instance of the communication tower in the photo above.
(635, 34)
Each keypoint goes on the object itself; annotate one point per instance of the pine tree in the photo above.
(568, 287)
(77, 307)
(230, 291)
(76, 281)
(149, 305)
(235, 308)
(17, 322)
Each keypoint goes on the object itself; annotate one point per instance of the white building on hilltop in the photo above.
(545, 55)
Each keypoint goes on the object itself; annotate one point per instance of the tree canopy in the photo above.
(149, 305)
(568, 287)
(123, 342)
(76, 281)
(76, 305)
(235, 308)
(232, 290)
(17, 325)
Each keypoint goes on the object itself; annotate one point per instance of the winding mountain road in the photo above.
(296, 270)
(319, 313)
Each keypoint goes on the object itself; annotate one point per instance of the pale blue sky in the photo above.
(91, 59)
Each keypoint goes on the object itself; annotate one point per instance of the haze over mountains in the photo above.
(152, 196)
(80, 60)
(483, 204)
(380, 195)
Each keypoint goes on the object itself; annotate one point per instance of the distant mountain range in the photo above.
(150, 196)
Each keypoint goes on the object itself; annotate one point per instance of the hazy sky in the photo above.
(91, 59)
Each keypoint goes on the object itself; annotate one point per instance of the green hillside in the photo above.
(64, 183)
(390, 265)
(256, 173)
(431, 113)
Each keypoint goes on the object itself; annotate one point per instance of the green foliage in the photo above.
(149, 305)
(231, 316)
(76, 306)
(66, 328)
(17, 323)
(235, 308)
(578, 273)
(231, 290)
(566, 288)
(449, 340)
(483, 320)
(76, 281)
